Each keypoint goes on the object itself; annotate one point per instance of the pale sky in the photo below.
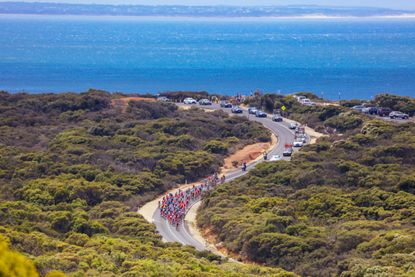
(395, 4)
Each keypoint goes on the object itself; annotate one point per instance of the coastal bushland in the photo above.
(74, 169)
(344, 206)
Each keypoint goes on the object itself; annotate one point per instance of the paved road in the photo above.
(182, 234)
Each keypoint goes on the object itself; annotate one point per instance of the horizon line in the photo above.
(206, 5)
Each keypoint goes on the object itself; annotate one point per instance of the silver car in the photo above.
(398, 115)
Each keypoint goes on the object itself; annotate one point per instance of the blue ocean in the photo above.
(332, 58)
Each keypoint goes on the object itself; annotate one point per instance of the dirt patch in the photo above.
(337, 104)
(122, 103)
(185, 108)
(247, 154)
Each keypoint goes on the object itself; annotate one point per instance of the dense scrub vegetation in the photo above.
(73, 171)
(13, 263)
(344, 206)
(396, 102)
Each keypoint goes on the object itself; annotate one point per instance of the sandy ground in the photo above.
(249, 153)
(189, 107)
(123, 102)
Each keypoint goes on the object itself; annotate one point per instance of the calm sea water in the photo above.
(348, 57)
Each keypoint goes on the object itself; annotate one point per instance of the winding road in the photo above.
(183, 234)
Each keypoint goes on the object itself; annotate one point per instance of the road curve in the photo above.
(183, 234)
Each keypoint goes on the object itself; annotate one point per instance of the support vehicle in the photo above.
(277, 118)
(260, 114)
(275, 158)
(298, 143)
(288, 152)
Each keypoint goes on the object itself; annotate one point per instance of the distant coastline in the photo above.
(177, 11)
(206, 18)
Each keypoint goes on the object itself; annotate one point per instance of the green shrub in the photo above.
(216, 147)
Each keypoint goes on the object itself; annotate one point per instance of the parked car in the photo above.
(189, 101)
(293, 126)
(302, 137)
(163, 99)
(300, 97)
(236, 109)
(398, 115)
(307, 102)
(225, 104)
(384, 111)
(298, 143)
(260, 114)
(288, 152)
(358, 108)
(370, 110)
(205, 102)
(275, 158)
(252, 110)
(277, 118)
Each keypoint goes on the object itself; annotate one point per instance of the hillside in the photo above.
(73, 170)
(344, 206)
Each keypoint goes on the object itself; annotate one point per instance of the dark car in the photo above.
(373, 110)
(384, 111)
(277, 118)
(236, 109)
(370, 110)
(260, 114)
(288, 152)
(225, 104)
